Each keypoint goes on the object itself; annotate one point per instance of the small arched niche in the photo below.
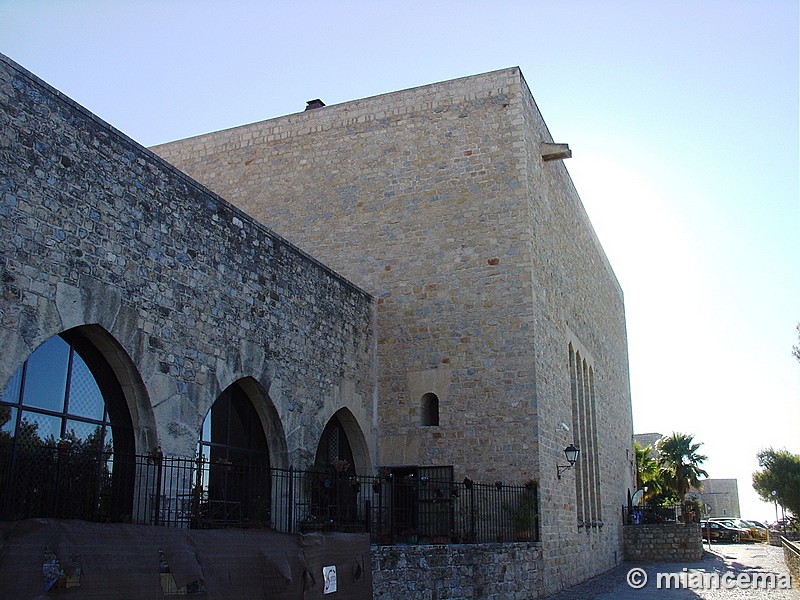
(429, 410)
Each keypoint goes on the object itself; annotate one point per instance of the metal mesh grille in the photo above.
(85, 398)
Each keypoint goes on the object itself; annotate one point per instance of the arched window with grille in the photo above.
(235, 482)
(332, 486)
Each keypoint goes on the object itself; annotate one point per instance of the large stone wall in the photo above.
(720, 497)
(485, 267)
(579, 303)
(486, 571)
(413, 196)
(182, 292)
(776, 535)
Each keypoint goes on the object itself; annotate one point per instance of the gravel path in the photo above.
(746, 560)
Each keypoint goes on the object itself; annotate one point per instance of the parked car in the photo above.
(720, 532)
(750, 532)
(758, 530)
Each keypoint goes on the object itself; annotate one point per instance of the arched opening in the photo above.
(430, 410)
(333, 450)
(235, 482)
(66, 439)
(332, 487)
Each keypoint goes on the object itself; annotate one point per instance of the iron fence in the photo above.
(98, 485)
(649, 515)
(421, 510)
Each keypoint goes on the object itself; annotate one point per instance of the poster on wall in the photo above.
(329, 577)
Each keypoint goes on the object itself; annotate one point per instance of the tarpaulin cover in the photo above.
(43, 558)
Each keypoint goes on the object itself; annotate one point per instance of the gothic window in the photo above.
(236, 482)
(430, 410)
(584, 427)
(332, 487)
(65, 435)
(334, 448)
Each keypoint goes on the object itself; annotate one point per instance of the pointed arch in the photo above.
(131, 386)
(235, 482)
(343, 438)
(70, 395)
(270, 421)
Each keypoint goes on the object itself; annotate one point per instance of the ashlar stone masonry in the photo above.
(451, 204)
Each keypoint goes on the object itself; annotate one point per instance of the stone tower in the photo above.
(501, 326)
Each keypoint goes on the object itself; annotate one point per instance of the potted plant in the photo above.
(340, 466)
(63, 446)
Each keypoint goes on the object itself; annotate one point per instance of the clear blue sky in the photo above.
(682, 117)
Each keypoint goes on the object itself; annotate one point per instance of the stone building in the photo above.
(648, 439)
(484, 331)
(719, 497)
(500, 324)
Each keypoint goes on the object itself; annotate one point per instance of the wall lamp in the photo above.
(571, 452)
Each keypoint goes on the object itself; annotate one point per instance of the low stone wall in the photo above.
(791, 555)
(490, 571)
(664, 542)
(775, 537)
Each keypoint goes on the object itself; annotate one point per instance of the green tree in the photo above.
(779, 472)
(679, 463)
(647, 472)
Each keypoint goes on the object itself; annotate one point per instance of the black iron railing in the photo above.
(97, 485)
(649, 515)
(420, 510)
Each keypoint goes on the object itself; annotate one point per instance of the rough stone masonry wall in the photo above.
(184, 293)
(776, 535)
(791, 555)
(485, 571)
(667, 542)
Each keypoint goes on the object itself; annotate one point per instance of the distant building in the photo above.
(720, 497)
(648, 439)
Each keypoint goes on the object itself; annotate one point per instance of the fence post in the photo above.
(290, 507)
(368, 511)
(471, 488)
(96, 500)
(392, 507)
(159, 466)
(379, 523)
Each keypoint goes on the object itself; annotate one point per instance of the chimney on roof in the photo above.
(316, 103)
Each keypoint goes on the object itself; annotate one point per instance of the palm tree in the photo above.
(680, 463)
(647, 472)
